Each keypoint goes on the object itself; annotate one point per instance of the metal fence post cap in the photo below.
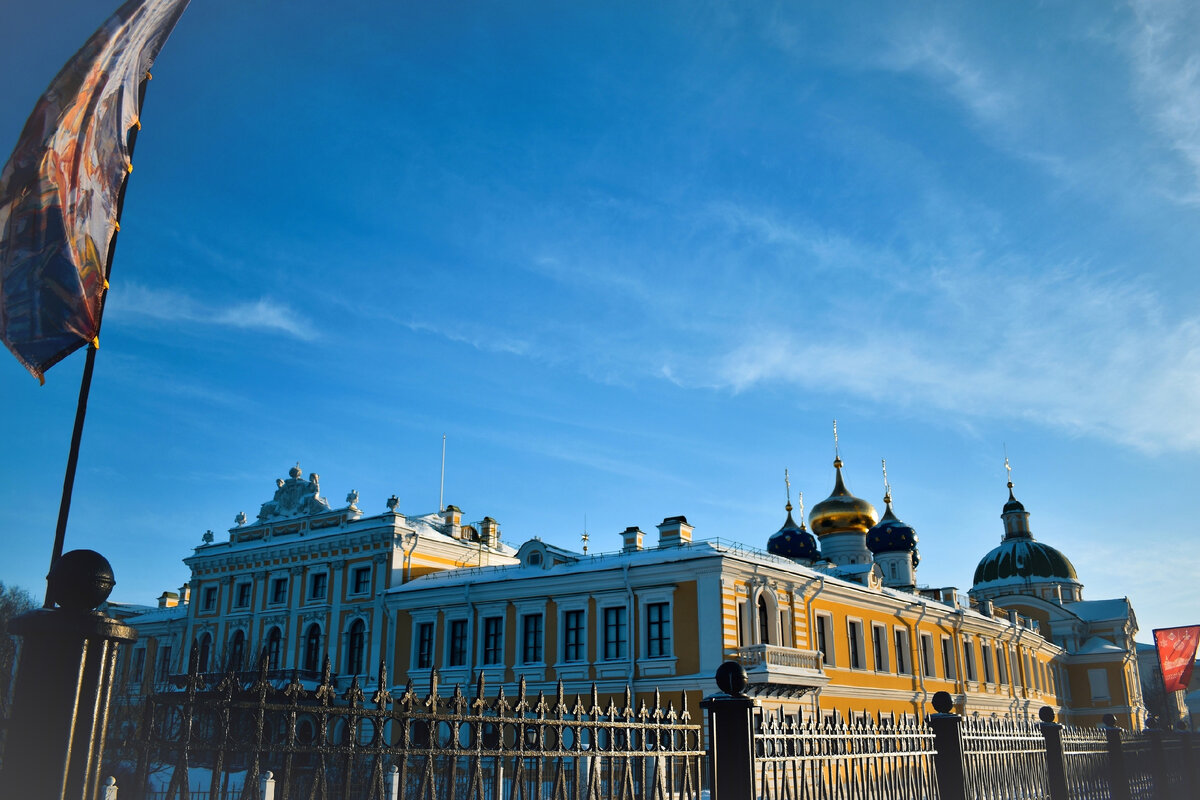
(732, 679)
(943, 703)
(80, 580)
(1046, 714)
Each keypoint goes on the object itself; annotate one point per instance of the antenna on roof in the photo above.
(442, 484)
(584, 536)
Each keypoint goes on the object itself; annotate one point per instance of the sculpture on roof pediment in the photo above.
(294, 497)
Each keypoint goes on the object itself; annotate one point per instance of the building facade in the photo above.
(828, 622)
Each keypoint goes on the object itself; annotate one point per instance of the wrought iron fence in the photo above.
(869, 758)
(1085, 762)
(321, 745)
(1003, 759)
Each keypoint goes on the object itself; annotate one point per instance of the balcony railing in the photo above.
(785, 670)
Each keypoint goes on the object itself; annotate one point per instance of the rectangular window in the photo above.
(210, 598)
(138, 669)
(658, 630)
(574, 643)
(969, 658)
(493, 640)
(856, 644)
(425, 645)
(1001, 665)
(318, 586)
(279, 590)
(1098, 683)
(531, 650)
(616, 637)
(741, 623)
(825, 639)
(164, 663)
(242, 596)
(458, 643)
(879, 645)
(928, 669)
(948, 671)
(361, 580)
(901, 639)
(986, 656)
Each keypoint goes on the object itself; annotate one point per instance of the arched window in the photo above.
(274, 639)
(237, 650)
(764, 621)
(355, 646)
(205, 648)
(312, 648)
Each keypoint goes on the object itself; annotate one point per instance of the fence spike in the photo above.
(595, 711)
(354, 694)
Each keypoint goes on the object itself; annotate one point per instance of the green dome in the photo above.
(1019, 559)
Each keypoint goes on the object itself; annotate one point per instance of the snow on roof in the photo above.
(158, 615)
(1097, 645)
(1099, 610)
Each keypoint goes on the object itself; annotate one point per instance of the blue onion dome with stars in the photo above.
(890, 535)
(794, 541)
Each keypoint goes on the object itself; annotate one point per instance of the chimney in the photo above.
(674, 531)
(185, 594)
(631, 539)
(168, 600)
(452, 517)
(489, 532)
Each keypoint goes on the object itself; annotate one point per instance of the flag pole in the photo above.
(85, 383)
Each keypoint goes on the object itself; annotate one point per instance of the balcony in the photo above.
(781, 671)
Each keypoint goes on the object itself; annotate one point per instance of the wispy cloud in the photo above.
(1163, 49)
(134, 301)
(490, 341)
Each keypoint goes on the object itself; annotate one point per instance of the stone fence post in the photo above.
(1056, 767)
(947, 739)
(1118, 777)
(56, 727)
(730, 735)
(110, 789)
(266, 786)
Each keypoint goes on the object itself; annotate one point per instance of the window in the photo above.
(164, 663)
(573, 636)
(237, 650)
(361, 580)
(205, 648)
(279, 590)
(764, 621)
(948, 671)
(458, 643)
(312, 648)
(615, 633)
(137, 671)
(901, 639)
(1001, 665)
(825, 638)
(355, 645)
(927, 665)
(986, 657)
(879, 644)
(531, 643)
(969, 658)
(274, 642)
(493, 640)
(856, 644)
(318, 585)
(1098, 683)
(425, 645)
(210, 598)
(535, 559)
(242, 596)
(741, 627)
(658, 630)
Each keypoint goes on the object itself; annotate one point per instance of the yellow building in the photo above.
(825, 624)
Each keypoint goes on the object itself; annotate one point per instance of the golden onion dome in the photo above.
(842, 512)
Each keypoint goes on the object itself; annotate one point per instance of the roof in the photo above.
(1097, 645)
(1100, 610)
(158, 615)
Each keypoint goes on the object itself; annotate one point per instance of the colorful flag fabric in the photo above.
(60, 191)
(1177, 655)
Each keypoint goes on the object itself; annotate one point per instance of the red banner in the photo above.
(60, 191)
(1177, 655)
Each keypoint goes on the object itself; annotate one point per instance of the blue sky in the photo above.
(633, 260)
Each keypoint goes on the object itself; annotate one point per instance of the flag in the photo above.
(60, 191)
(1176, 655)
